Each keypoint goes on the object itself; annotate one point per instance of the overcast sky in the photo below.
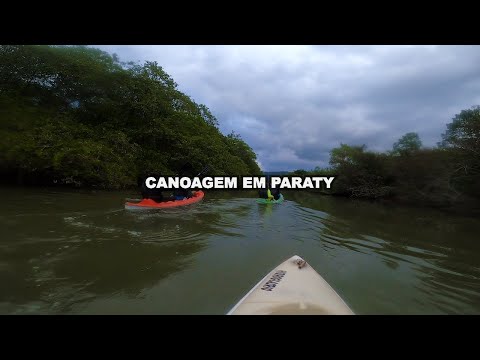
(293, 104)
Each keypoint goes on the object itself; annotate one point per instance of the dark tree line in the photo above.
(446, 175)
(76, 115)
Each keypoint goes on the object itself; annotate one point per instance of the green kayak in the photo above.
(266, 201)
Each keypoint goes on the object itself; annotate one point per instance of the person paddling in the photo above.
(178, 194)
(153, 194)
(185, 171)
(268, 193)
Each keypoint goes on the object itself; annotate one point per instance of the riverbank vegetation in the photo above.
(75, 115)
(445, 175)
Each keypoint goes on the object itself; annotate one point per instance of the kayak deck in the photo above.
(150, 204)
(267, 201)
(292, 289)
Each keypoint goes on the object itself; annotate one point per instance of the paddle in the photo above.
(206, 168)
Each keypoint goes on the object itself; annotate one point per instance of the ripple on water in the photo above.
(378, 259)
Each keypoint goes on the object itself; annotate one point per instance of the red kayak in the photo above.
(150, 204)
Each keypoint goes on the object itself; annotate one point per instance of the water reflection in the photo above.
(439, 250)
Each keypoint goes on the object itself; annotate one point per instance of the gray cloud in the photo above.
(292, 104)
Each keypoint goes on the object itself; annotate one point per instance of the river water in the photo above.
(81, 252)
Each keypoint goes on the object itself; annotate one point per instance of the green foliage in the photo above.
(346, 155)
(77, 115)
(462, 142)
(360, 171)
(445, 176)
(407, 144)
(426, 176)
(237, 146)
(464, 131)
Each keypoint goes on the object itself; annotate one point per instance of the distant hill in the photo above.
(275, 173)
